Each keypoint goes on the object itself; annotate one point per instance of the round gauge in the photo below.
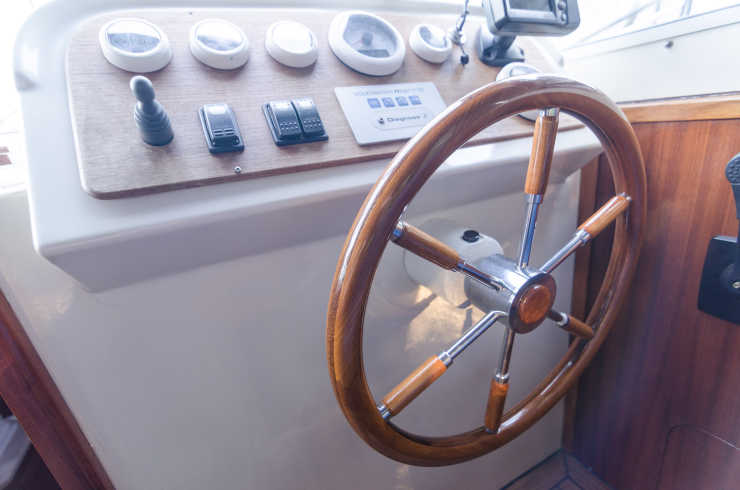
(135, 45)
(291, 44)
(366, 43)
(430, 43)
(513, 70)
(219, 44)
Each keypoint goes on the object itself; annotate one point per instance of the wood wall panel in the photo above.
(717, 468)
(665, 364)
(701, 108)
(35, 400)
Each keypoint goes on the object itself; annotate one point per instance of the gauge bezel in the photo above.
(359, 62)
(292, 59)
(143, 62)
(426, 51)
(230, 59)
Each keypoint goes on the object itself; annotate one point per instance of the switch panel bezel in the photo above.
(302, 137)
(209, 132)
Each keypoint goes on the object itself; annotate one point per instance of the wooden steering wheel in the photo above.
(525, 293)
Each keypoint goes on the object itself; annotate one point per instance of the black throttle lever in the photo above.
(732, 273)
(719, 292)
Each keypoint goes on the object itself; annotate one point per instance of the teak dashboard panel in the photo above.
(114, 162)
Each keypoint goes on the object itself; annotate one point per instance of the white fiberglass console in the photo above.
(185, 328)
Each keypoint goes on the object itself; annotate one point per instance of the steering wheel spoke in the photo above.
(589, 229)
(571, 324)
(427, 247)
(495, 406)
(538, 174)
(499, 385)
(430, 370)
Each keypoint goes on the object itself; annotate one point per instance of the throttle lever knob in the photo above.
(732, 172)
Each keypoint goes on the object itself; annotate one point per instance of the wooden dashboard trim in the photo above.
(30, 392)
(702, 108)
(101, 104)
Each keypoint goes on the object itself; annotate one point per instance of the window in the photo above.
(606, 19)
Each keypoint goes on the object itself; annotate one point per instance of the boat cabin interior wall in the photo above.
(202, 179)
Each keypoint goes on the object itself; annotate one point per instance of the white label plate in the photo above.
(378, 113)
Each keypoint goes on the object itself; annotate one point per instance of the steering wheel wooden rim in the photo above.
(378, 217)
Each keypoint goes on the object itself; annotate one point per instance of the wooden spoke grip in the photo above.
(427, 247)
(416, 382)
(495, 407)
(543, 147)
(578, 328)
(605, 215)
(573, 325)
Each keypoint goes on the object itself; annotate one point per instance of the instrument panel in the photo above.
(251, 62)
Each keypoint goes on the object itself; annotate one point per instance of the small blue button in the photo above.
(373, 103)
(415, 100)
(402, 100)
(388, 102)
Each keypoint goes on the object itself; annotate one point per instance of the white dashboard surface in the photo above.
(107, 244)
(201, 361)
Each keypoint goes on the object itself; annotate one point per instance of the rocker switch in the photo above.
(284, 120)
(220, 128)
(308, 116)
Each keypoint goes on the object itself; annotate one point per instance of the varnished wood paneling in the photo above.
(666, 364)
(31, 394)
(717, 467)
(113, 161)
(685, 109)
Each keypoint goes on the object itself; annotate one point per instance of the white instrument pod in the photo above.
(515, 69)
(219, 44)
(292, 44)
(366, 43)
(135, 45)
(430, 43)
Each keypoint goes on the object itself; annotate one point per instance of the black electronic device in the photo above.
(532, 17)
(220, 128)
(294, 121)
(506, 19)
(719, 289)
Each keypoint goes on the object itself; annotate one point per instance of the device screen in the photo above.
(543, 5)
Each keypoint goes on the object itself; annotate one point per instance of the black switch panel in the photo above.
(220, 128)
(293, 122)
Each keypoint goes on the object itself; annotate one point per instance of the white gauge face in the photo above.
(434, 37)
(219, 35)
(366, 43)
(135, 45)
(430, 43)
(219, 44)
(133, 36)
(291, 43)
(370, 37)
